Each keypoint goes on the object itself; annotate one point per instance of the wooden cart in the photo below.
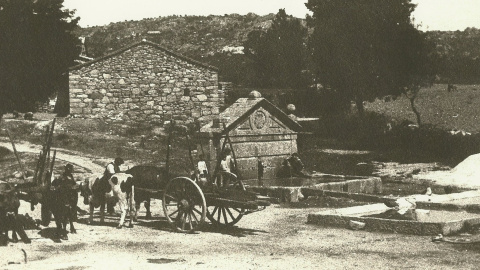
(187, 203)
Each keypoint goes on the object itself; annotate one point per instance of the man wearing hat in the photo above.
(111, 169)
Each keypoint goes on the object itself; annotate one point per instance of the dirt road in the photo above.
(276, 238)
(75, 158)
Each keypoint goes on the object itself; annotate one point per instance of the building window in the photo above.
(186, 92)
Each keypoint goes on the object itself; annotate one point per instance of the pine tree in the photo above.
(36, 48)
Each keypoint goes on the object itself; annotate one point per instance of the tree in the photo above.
(367, 48)
(278, 53)
(36, 48)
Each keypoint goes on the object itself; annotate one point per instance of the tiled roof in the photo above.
(242, 108)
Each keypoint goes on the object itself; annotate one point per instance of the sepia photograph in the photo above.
(254, 134)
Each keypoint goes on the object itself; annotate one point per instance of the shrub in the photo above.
(377, 132)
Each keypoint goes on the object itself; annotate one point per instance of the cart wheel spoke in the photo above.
(230, 213)
(179, 216)
(190, 220)
(219, 213)
(224, 215)
(174, 212)
(214, 210)
(171, 197)
(195, 217)
(184, 220)
(196, 210)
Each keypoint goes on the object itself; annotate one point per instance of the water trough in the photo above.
(292, 189)
(440, 214)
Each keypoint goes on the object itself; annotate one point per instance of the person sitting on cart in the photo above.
(229, 160)
(225, 170)
(202, 170)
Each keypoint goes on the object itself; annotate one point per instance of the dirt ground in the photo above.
(276, 238)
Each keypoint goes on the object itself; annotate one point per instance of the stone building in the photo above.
(145, 82)
(258, 130)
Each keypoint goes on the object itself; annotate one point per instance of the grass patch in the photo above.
(447, 110)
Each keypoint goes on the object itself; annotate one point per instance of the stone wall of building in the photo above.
(225, 88)
(145, 84)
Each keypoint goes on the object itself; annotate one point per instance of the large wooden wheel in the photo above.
(224, 215)
(184, 204)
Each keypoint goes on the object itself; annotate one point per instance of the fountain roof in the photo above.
(241, 109)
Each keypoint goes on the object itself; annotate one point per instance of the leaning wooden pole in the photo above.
(169, 142)
(49, 145)
(35, 175)
(52, 164)
(22, 168)
(49, 136)
(41, 158)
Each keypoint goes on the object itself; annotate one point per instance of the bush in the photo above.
(405, 139)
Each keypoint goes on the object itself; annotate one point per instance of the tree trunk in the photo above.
(414, 109)
(360, 108)
(62, 106)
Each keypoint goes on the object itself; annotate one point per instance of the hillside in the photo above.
(457, 43)
(205, 38)
(459, 55)
(194, 36)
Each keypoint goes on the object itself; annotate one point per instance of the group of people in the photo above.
(66, 180)
(227, 165)
(293, 166)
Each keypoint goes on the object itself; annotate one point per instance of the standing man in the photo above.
(66, 179)
(111, 169)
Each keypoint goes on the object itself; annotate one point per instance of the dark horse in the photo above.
(61, 200)
(9, 218)
(148, 177)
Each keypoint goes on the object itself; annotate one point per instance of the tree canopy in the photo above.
(367, 48)
(36, 48)
(278, 53)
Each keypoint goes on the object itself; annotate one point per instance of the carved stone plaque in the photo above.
(259, 119)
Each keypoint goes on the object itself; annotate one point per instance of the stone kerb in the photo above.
(144, 84)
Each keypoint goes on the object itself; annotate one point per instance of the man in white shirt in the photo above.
(111, 169)
(202, 169)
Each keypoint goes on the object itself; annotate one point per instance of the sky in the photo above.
(445, 15)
